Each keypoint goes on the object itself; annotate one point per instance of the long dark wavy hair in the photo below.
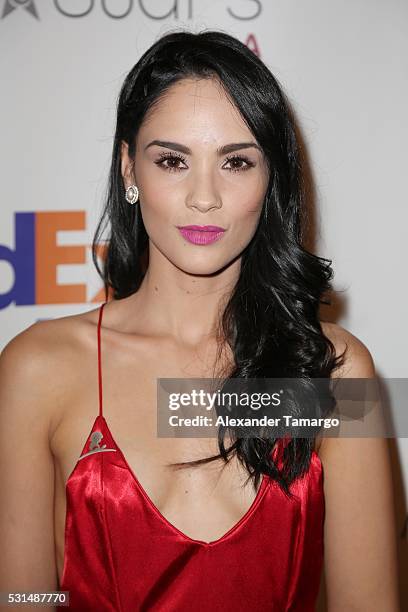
(271, 320)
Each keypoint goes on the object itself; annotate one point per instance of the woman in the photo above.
(204, 138)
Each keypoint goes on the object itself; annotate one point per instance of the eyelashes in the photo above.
(240, 158)
(176, 158)
(171, 157)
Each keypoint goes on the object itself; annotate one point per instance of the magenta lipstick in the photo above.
(201, 234)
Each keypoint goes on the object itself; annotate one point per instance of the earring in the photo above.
(132, 194)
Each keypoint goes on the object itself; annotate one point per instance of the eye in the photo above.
(172, 159)
(236, 161)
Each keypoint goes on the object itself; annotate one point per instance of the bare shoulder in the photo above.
(40, 372)
(358, 361)
(360, 555)
(43, 361)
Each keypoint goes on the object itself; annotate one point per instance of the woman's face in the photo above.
(197, 164)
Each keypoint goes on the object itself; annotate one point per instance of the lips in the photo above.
(202, 228)
(201, 234)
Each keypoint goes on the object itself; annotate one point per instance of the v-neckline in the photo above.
(244, 518)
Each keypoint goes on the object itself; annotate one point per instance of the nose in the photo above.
(203, 195)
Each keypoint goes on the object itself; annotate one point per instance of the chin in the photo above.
(199, 270)
(203, 265)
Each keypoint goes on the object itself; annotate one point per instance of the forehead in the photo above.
(195, 107)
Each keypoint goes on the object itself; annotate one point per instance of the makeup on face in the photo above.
(201, 234)
(199, 166)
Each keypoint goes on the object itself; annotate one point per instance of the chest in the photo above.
(129, 402)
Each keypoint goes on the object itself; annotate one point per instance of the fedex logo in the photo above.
(36, 256)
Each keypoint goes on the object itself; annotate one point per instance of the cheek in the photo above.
(158, 208)
(156, 202)
(247, 206)
(244, 215)
(158, 194)
(247, 191)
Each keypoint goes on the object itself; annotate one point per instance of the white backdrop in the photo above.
(344, 67)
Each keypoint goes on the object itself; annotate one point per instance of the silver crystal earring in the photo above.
(132, 194)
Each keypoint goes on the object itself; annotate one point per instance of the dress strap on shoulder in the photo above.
(100, 359)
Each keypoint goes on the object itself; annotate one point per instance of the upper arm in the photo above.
(27, 468)
(360, 535)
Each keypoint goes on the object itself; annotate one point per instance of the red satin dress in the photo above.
(123, 555)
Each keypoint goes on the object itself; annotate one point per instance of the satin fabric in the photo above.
(121, 554)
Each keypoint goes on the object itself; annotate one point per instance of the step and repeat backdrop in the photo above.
(343, 66)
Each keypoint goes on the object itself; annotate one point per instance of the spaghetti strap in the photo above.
(100, 359)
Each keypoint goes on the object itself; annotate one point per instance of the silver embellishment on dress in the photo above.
(94, 445)
(96, 437)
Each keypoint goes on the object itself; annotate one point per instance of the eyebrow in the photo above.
(229, 148)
